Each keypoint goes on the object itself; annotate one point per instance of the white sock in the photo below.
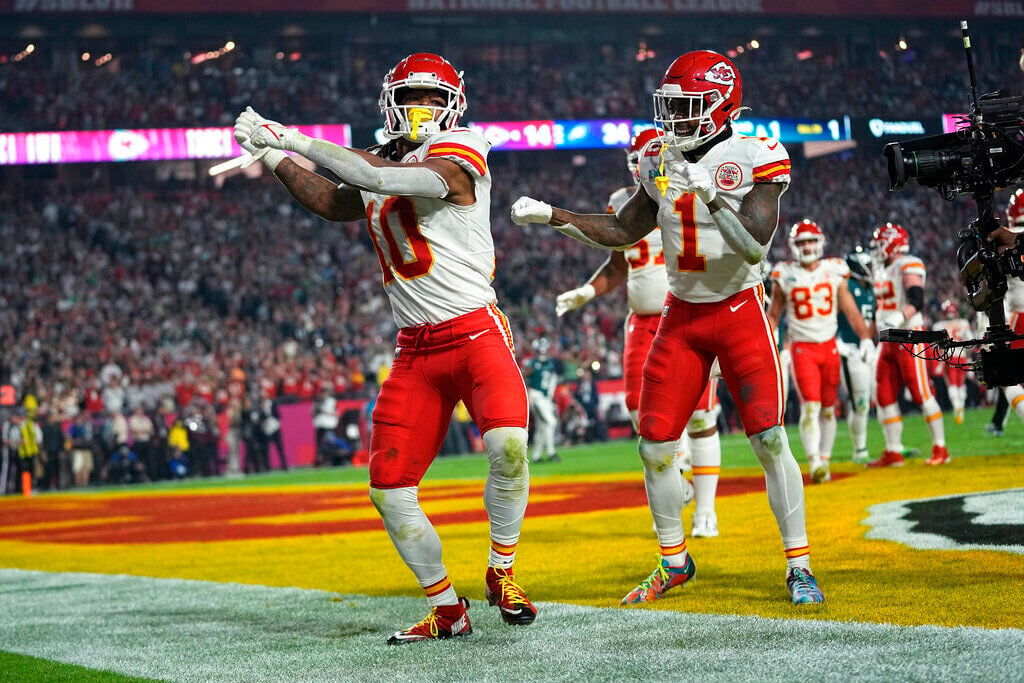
(707, 463)
(933, 417)
(665, 497)
(827, 423)
(1015, 397)
(415, 540)
(684, 453)
(506, 491)
(858, 423)
(785, 492)
(810, 430)
(958, 397)
(892, 427)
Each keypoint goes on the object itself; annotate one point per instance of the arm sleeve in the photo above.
(355, 171)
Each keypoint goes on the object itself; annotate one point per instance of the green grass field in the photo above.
(285, 634)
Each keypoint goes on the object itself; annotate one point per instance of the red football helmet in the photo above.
(1015, 211)
(889, 241)
(637, 145)
(949, 309)
(428, 72)
(805, 233)
(699, 95)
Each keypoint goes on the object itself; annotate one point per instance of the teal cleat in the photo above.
(804, 587)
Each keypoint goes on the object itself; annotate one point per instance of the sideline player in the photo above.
(715, 194)
(899, 291)
(958, 329)
(642, 267)
(1014, 304)
(858, 376)
(426, 194)
(812, 290)
(541, 375)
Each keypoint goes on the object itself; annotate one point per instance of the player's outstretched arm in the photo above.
(611, 273)
(634, 219)
(320, 195)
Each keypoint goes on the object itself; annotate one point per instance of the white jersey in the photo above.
(646, 279)
(891, 295)
(437, 258)
(1014, 296)
(701, 266)
(958, 329)
(812, 298)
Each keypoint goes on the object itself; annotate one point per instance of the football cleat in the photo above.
(503, 591)
(803, 587)
(819, 470)
(888, 459)
(940, 456)
(959, 419)
(861, 456)
(662, 579)
(705, 524)
(444, 621)
(993, 429)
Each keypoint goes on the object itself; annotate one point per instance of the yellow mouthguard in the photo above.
(418, 115)
(662, 180)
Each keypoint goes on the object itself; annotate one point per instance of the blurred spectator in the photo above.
(80, 435)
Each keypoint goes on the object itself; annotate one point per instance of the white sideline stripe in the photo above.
(183, 630)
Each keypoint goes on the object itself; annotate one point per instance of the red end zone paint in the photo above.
(231, 516)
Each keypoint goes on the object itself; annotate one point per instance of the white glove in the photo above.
(695, 178)
(527, 210)
(271, 134)
(244, 125)
(891, 320)
(867, 350)
(573, 299)
(716, 369)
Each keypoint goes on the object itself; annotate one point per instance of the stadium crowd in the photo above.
(161, 87)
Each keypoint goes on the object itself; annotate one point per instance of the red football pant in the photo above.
(689, 338)
(816, 367)
(468, 358)
(898, 367)
(640, 333)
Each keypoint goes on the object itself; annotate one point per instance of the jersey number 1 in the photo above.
(394, 261)
(689, 261)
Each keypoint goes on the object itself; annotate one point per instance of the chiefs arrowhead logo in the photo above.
(124, 145)
(721, 74)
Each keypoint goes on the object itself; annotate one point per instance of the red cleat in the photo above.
(940, 456)
(888, 459)
(510, 598)
(446, 621)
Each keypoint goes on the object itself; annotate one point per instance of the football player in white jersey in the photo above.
(899, 291)
(958, 329)
(426, 195)
(642, 267)
(812, 290)
(715, 194)
(1014, 300)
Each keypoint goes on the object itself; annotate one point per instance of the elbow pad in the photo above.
(915, 297)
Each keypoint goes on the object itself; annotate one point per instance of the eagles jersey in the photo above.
(646, 279)
(701, 266)
(891, 295)
(544, 377)
(437, 258)
(812, 297)
(864, 297)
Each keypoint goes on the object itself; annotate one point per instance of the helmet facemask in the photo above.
(805, 256)
(686, 117)
(417, 122)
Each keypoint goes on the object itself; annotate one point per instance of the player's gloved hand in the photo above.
(695, 178)
(527, 210)
(244, 125)
(271, 134)
(891, 320)
(573, 299)
(867, 350)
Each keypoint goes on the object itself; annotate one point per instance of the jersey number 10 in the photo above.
(393, 261)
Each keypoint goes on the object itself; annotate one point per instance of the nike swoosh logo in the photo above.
(474, 336)
(512, 611)
(772, 147)
(737, 306)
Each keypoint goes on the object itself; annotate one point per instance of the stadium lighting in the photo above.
(280, 55)
(86, 56)
(755, 44)
(731, 54)
(740, 49)
(229, 46)
(902, 44)
(804, 54)
(30, 49)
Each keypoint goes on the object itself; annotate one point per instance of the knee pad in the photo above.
(767, 445)
(506, 448)
(658, 455)
(395, 505)
(809, 413)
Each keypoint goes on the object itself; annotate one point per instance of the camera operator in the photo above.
(899, 290)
